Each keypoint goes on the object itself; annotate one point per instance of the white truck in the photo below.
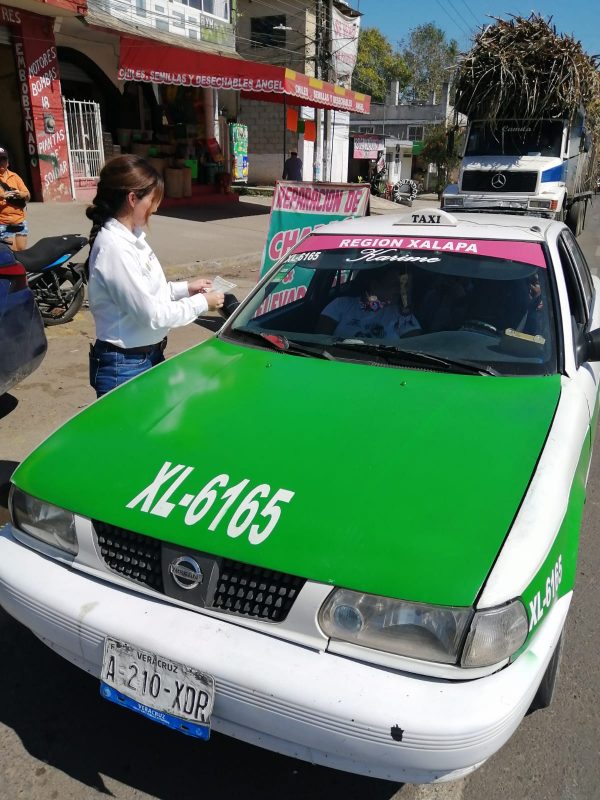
(543, 167)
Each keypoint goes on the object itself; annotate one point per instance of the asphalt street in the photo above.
(60, 741)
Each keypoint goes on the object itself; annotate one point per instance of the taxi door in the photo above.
(584, 304)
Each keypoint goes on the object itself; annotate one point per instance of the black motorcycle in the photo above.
(58, 284)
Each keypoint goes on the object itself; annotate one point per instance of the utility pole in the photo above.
(318, 151)
(327, 66)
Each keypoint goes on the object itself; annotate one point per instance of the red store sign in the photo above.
(368, 146)
(40, 92)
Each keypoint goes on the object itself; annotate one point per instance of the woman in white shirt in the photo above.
(132, 303)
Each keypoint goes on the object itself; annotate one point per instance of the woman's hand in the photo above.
(199, 286)
(215, 300)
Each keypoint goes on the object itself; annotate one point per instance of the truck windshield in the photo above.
(455, 303)
(513, 137)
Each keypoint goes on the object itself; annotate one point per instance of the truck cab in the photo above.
(537, 167)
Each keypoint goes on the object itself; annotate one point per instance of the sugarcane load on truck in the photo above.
(532, 98)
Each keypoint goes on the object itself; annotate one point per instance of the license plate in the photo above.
(162, 690)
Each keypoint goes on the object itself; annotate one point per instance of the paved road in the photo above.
(60, 741)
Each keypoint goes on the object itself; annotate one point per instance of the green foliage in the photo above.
(441, 147)
(431, 59)
(377, 65)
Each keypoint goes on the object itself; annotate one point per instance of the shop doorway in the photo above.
(86, 149)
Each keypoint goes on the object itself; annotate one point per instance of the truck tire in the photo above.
(575, 218)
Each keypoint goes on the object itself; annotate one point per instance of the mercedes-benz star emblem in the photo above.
(186, 572)
(499, 181)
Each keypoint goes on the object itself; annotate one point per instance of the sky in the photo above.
(459, 19)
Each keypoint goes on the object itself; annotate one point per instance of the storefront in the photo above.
(367, 150)
(33, 125)
(179, 106)
(197, 92)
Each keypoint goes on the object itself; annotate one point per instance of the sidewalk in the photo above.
(225, 239)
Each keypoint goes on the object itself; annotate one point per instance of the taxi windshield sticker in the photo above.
(375, 248)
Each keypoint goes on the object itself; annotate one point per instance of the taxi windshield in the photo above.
(443, 304)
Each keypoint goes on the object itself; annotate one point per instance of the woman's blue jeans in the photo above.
(110, 368)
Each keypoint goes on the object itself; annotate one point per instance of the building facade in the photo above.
(165, 78)
(401, 128)
(321, 41)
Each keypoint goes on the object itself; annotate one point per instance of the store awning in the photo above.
(149, 62)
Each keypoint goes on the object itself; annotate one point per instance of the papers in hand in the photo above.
(219, 284)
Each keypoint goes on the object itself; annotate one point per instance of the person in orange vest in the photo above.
(13, 197)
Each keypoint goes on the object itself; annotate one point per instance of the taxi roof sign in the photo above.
(427, 216)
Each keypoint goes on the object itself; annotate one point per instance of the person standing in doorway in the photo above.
(132, 303)
(292, 169)
(13, 197)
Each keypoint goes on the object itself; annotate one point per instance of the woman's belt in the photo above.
(141, 350)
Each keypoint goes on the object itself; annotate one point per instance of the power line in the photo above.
(469, 27)
(445, 10)
(468, 7)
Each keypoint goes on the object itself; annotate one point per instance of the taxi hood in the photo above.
(397, 482)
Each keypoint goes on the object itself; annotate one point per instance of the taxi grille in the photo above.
(241, 589)
(130, 554)
(256, 592)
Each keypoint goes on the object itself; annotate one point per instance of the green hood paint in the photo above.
(406, 482)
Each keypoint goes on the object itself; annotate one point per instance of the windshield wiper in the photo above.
(278, 341)
(393, 354)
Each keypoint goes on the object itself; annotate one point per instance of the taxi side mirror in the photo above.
(230, 304)
(215, 324)
(588, 348)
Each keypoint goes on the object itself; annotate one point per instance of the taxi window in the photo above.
(577, 300)
(581, 267)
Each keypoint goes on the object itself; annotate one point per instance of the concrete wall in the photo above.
(394, 118)
(338, 169)
(266, 153)
(265, 123)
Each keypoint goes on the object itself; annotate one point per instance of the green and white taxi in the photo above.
(373, 567)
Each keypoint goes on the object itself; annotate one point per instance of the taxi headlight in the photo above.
(415, 630)
(426, 632)
(495, 635)
(50, 524)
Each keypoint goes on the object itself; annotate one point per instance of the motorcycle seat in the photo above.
(50, 252)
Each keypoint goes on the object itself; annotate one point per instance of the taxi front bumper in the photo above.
(293, 700)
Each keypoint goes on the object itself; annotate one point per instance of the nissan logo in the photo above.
(499, 181)
(186, 572)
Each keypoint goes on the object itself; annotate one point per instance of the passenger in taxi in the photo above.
(535, 313)
(380, 310)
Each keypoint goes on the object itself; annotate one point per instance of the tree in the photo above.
(430, 58)
(377, 65)
(441, 147)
